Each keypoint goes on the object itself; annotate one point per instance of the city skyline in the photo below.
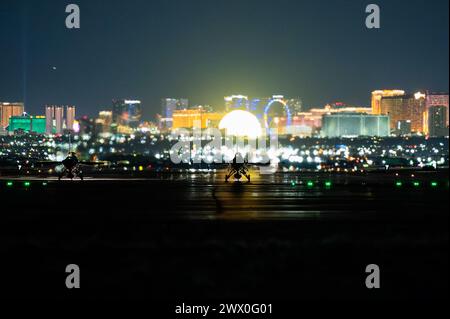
(392, 112)
(293, 55)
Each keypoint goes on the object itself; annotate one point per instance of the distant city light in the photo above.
(76, 127)
(132, 102)
(419, 95)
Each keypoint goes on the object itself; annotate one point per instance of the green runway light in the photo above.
(434, 184)
(310, 184)
(44, 183)
(328, 184)
(416, 184)
(293, 183)
(10, 184)
(27, 184)
(399, 184)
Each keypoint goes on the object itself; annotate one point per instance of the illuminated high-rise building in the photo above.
(197, 118)
(56, 122)
(70, 117)
(379, 94)
(8, 110)
(168, 107)
(236, 102)
(49, 117)
(410, 107)
(59, 119)
(439, 99)
(354, 124)
(28, 124)
(436, 118)
(104, 121)
(296, 105)
(127, 113)
(403, 128)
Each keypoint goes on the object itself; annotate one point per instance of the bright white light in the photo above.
(420, 95)
(132, 102)
(76, 127)
(242, 124)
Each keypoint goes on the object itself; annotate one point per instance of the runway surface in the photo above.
(206, 195)
(191, 236)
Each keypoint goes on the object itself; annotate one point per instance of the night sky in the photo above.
(206, 49)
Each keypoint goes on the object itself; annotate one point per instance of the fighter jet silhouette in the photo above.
(72, 166)
(238, 168)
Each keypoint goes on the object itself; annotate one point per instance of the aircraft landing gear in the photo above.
(62, 174)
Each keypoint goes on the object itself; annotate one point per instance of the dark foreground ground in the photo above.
(183, 238)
